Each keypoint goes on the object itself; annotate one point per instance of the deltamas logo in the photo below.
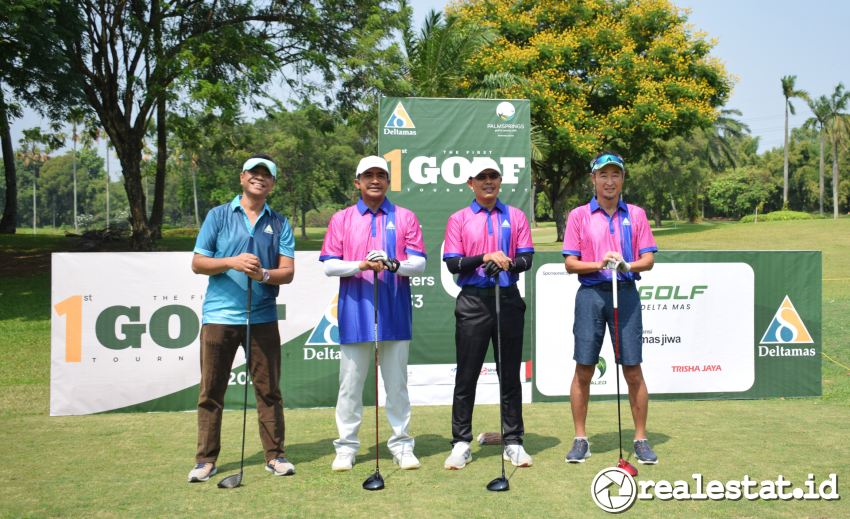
(399, 122)
(323, 343)
(786, 328)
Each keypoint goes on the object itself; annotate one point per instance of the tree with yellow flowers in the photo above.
(600, 74)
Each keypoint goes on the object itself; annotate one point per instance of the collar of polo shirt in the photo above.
(476, 207)
(385, 206)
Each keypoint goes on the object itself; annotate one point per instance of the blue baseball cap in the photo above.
(607, 158)
(257, 161)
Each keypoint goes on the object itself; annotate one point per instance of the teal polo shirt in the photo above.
(228, 232)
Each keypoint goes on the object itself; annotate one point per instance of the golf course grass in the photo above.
(135, 465)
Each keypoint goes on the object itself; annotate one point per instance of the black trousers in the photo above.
(475, 327)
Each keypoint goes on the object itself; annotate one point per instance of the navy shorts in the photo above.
(595, 309)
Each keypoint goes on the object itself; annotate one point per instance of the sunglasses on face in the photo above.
(492, 175)
(608, 158)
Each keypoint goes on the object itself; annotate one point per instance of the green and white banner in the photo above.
(716, 325)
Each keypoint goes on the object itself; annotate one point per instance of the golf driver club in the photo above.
(623, 464)
(375, 481)
(499, 484)
(235, 480)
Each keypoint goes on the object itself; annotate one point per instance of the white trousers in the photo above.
(354, 364)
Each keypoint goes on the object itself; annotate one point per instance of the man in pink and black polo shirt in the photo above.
(486, 243)
(607, 231)
(373, 241)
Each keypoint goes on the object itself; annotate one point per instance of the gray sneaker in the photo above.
(579, 452)
(202, 472)
(280, 467)
(644, 453)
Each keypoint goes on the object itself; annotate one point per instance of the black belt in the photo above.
(489, 291)
(606, 286)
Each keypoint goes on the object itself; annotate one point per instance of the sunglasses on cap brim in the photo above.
(608, 158)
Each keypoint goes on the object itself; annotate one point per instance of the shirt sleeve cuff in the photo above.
(204, 252)
(648, 249)
(567, 252)
(448, 255)
(323, 258)
(521, 250)
(415, 252)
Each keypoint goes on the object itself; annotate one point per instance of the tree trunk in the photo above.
(159, 184)
(559, 208)
(129, 153)
(785, 163)
(820, 176)
(10, 211)
(304, 210)
(834, 175)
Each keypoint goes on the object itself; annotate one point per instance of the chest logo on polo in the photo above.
(390, 226)
(268, 229)
(626, 221)
(506, 224)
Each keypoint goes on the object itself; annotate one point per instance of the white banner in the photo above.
(698, 321)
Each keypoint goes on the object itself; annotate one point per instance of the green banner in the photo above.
(429, 144)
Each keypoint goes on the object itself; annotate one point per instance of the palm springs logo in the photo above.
(505, 111)
(326, 332)
(603, 488)
(399, 118)
(786, 327)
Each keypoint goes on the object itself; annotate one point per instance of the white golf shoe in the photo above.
(344, 461)
(406, 460)
(517, 456)
(460, 456)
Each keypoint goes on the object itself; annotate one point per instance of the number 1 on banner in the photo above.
(394, 159)
(72, 308)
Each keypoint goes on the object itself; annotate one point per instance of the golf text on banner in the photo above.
(429, 145)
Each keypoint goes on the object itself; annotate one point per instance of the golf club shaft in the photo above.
(247, 346)
(617, 354)
(375, 304)
(500, 372)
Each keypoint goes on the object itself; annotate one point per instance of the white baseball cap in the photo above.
(259, 161)
(372, 161)
(481, 164)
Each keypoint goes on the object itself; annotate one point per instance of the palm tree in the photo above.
(838, 124)
(820, 109)
(720, 136)
(788, 91)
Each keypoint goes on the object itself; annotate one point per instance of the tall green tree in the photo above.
(31, 72)
(789, 91)
(838, 125)
(611, 75)
(128, 55)
(820, 117)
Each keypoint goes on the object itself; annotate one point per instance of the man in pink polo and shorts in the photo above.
(487, 242)
(373, 241)
(608, 237)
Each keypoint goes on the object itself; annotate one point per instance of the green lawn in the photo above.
(134, 465)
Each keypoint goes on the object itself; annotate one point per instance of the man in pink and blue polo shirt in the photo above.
(371, 242)
(608, 232)
(486, 243)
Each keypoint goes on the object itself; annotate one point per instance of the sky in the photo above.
(759, 41)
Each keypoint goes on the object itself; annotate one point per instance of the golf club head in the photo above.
(499, 484)
(628, 467)
(231, 481)
(374, 482)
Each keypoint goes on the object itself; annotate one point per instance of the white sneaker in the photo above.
(517, 456)
(202, 472)
(406, 460)
(460, 456)
(343, 461)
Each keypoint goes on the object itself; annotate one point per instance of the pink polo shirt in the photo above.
(474, 230)
(590, 233)
(352, 233)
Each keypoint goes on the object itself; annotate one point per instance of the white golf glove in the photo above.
(623, 267)
(376, 255)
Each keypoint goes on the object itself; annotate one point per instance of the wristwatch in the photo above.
(266, 276)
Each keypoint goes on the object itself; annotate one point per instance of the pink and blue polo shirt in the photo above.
(352, 233)
(474, 231)
(590, 233)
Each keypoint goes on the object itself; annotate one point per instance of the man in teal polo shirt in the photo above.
(239, 240)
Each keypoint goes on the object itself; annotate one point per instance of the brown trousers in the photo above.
(219, 343)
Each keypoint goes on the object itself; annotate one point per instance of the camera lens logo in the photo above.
(505, 111)
(613, 490)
